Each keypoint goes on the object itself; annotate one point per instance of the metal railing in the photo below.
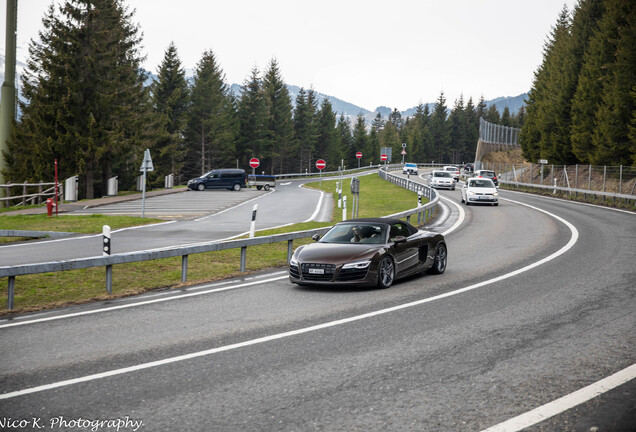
(11, 272)
(617, 182)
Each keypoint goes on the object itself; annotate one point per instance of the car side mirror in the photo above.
(399, 239)
(315, 237)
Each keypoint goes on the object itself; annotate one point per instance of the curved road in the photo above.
(209, 216)
(537, 302)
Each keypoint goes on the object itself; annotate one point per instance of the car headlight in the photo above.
(293, 261)
(357, 264)
(471, 193)
(496, 194)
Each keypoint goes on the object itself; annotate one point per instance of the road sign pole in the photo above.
(143, 195)
(146, 165)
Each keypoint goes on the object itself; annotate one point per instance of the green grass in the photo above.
(69, 223)
(50, 290)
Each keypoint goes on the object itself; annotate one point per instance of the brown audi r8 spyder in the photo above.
(368, 252)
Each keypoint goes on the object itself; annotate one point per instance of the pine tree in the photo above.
(439, 131)
(457, 131)
(590, 56)
(252, 120)
(472, 131)
(86, 104)
(360, 142)
(170, 97)
(346, 141)
(305, 134)
(280, 151)
(611, 140)
(328, 144)
(210, 131)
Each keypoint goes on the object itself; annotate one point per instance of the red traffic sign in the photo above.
(383, 157)
(403, 152)
(254, 163)
(321, 164)
(359, 155)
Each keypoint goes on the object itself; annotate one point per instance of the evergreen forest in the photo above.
(86, 102)
(581, 108)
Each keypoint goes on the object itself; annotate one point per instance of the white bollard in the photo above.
(253, 224)
(106, 240)
(344, 208)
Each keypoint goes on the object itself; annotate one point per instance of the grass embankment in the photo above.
(50, 290)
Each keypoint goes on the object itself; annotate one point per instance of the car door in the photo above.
(406, 253)
(212, 180)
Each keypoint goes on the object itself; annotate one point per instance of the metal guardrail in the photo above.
(108, 261)
(555, 188)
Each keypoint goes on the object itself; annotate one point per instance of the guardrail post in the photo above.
(290, 249)
(243, 258)
(184, 268)
(10, 292)
(109, 279)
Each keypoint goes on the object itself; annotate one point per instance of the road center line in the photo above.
(573, 239)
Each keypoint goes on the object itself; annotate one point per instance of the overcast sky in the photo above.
(370, 53)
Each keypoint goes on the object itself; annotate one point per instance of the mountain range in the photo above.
(350, 110)
(340, 106)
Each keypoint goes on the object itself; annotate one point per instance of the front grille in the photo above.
(293, 271)
(309, 268)
(346, 275)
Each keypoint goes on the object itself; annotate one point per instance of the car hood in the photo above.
(334, 253)
(482, 190)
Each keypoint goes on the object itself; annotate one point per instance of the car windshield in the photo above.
(488, 174)
(356, 233)
(441, 174)
(451, 169)
(481, 183)
(410, 165)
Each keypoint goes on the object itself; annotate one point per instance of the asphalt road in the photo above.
(197, 217)
(537, 302)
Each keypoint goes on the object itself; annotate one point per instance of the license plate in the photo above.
(316, 271)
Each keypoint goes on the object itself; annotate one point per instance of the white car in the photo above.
(441, 179)
(409, 168)
(453, 170)
(480, 190)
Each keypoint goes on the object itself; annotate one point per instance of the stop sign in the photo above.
(359, 155)
(383, 157)
(254, 163)
(321, 164)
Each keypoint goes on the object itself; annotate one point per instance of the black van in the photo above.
(232, 179)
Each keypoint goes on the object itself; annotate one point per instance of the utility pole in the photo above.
(7, 103)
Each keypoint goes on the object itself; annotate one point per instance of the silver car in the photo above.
(441, 179)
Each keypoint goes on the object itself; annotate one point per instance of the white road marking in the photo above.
(573, 202)
(566, 402)
(235, 206)
(573, 239)
(462, 216)
(322, 195)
